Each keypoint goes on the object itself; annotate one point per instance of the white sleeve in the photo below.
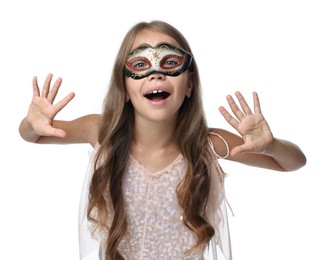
(88, 246)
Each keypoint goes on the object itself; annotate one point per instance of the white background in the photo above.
(272, 47)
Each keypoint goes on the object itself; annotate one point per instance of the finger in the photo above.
(257, 106)
(35, 87)
(234, 107)
(46, 86)
(62, 103)
(239, 149)
(54, 90)
(51, 131)
(245, 107)
(59, 133)
(228, 117)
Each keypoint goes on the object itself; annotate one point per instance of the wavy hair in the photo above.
(115, 139)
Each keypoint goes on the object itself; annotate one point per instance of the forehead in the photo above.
(152, 38)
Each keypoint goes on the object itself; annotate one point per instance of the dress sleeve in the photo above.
(88, 245)
(219, 247)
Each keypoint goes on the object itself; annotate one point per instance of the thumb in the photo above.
(51, 131)
(238, 149)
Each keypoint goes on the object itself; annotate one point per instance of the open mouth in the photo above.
(157, 95)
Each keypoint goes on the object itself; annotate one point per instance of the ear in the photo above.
(189, 89)
(126, 98)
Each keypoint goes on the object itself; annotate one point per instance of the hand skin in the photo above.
(255, 145)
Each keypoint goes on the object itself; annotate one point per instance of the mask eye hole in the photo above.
(170, 62)
(139, 64)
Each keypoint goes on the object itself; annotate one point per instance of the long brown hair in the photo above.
(115, 139)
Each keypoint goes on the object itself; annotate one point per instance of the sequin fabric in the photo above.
(155, 223)
(155, 227)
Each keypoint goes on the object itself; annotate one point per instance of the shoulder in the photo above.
(223, 141)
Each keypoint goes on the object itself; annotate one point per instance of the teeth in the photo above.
(156, 91)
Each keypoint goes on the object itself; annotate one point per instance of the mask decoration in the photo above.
(164, 58)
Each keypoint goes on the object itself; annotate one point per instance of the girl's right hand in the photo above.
(42, 111)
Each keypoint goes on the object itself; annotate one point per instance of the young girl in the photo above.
(155, 189)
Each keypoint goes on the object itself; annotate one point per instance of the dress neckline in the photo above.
(160, 172)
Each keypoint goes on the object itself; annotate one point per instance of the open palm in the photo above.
(42, 110)
(253, 128)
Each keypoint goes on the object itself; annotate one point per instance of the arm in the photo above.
(80, 130)
(39, 125)
(256, 145)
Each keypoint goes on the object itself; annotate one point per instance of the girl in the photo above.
(155, 187)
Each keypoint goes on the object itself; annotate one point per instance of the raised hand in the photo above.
(42, 111)
(253, 128)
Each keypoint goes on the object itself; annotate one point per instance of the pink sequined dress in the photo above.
(155, 222)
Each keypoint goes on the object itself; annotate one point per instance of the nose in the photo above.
(156, 75)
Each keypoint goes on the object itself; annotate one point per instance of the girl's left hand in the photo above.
(253, 128)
